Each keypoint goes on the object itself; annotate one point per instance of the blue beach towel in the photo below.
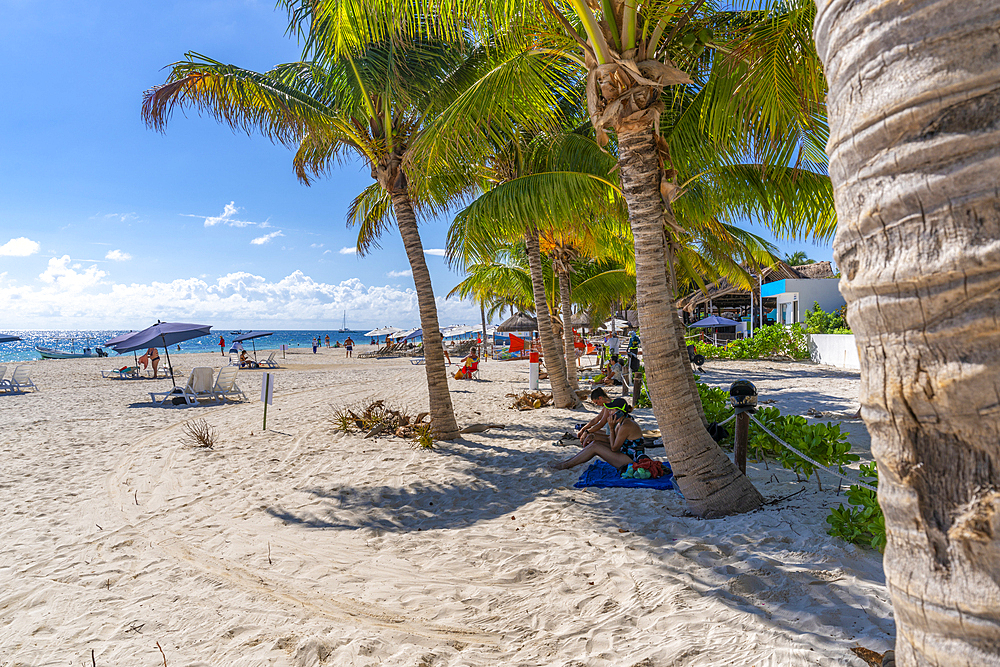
(604, 475)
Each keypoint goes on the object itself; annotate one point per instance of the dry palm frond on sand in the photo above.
(530, 400)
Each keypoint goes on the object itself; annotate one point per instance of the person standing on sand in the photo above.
(315, 344)
(328, 340)
(222, 345)
(349, 344)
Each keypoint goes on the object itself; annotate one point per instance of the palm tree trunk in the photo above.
(914, 159)
(482, 313)
(562, 395)
(710, 482)
(442, 413)
(567, 316)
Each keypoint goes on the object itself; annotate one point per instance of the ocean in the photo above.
(24, 349)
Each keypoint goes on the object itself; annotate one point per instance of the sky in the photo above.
(106, 224)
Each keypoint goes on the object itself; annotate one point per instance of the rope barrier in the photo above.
(811, 460)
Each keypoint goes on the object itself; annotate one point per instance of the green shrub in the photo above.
(823, 442)
(770, 341)
(819, 321)
(862, 522)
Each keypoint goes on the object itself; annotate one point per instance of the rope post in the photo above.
(742, 437)
(743, 396)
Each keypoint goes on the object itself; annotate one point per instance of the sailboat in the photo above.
(344, 328)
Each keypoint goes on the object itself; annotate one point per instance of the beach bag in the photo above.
(460, 374)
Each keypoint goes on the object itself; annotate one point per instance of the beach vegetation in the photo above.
(774, 340)
(862, 522)
(818, 321)
(200, 434)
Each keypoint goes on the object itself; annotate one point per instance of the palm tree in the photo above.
(373, 104)
(762, 93)
(798, 258)
(913, 156)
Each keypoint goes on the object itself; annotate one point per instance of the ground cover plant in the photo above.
(862, 522)
(375, 418)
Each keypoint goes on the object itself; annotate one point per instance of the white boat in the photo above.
(55, 353)
(52, 353)
(344, 328)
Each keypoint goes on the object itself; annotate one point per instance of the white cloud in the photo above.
(348, 251)
(118, 256)
(437, 252)
(228, 218)
(316, 245)
(69, 278)
(261, 240)
(19, 247)
(90, 300)
(399, 274)
(327, 252)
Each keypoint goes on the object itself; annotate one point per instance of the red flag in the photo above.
(516, 344)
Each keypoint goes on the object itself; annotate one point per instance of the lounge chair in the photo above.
(19, 381)
(270, 362)
(225, 384)
(198, 388)
(123, 373)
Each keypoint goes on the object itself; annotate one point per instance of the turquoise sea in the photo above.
(24, 349)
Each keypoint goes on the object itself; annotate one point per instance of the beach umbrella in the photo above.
(457, 330)
(114, 340)
(384, 331)
(8, 339)
(614, 324)
(416, 333)
(713, 321)
(165, 334)
(405, 335)
(519, 322)
(250, 335)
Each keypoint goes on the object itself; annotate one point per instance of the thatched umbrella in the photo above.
(519, 322)
(581, 319)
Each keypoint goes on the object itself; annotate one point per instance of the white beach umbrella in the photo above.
(384, 331)
(616, 325)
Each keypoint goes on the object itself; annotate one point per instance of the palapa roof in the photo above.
(580, 319)
(519, 322)
(780, 271)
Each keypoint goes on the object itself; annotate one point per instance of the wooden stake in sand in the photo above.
(266, 393)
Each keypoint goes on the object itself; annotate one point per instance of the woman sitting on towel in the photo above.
(626, 441)
(469, 365)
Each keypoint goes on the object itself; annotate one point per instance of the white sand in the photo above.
(301, 546)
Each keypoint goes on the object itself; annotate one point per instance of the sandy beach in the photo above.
(302, 546)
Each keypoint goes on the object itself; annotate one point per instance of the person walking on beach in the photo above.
(222, 345)
(315, 344)
(349, 344)
(328, 340)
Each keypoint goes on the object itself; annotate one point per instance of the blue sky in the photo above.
(107, 224)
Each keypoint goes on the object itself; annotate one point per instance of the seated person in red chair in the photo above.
(469, 366)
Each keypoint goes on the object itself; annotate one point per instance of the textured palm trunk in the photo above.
(710, 482)
(567, 316)
(914, 108)
(562, 395)
(442, 413)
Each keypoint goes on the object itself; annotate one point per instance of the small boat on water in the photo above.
(344, 329)
(56, 353)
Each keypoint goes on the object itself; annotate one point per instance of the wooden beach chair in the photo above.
(126, 373)
(19, 382)
(225, 384)
(270, 362)
(198, 388)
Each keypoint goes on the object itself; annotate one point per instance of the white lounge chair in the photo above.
(126, 373)
(270, 362)
(225, 384)
(19, 381)
(198, 388)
